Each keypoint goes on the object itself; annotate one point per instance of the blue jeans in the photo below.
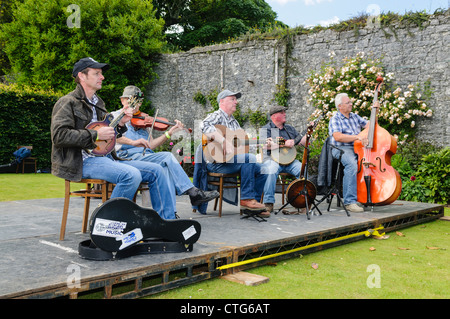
(350, 162)
(178, 181)
(128, 175)
(252, 179)
(272, 169)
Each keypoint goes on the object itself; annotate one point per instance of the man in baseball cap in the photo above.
(88, 62)
(226, 93)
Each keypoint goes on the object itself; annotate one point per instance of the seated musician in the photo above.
(275, 129)
(345, 128)
(71, 142)
(251, 177)
(135, 141)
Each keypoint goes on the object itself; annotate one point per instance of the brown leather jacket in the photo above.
(70, 116)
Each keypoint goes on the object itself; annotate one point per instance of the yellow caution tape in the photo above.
(366, 233)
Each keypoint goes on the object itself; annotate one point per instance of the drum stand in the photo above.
(303, 192)
(336, 186)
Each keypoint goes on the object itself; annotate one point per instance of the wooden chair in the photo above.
(27, 160)
(221, 184)
(284, 180)
(95, 188)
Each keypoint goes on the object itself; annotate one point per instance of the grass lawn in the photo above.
(410, 264)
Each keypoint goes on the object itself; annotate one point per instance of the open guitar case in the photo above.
(120, 228)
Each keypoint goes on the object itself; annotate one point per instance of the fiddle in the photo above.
(143, 120)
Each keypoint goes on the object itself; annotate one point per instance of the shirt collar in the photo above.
(228, 117)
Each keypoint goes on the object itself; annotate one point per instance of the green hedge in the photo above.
(25, 120)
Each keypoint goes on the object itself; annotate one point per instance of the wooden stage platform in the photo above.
(36, 264)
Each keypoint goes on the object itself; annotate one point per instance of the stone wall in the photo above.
(256, 67)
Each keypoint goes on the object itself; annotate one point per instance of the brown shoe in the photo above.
(251, 204)
(265, 214)
(269, 207)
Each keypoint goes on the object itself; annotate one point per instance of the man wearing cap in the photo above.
(252, 180)
(71, 141)
(273, 130)
(136, 145)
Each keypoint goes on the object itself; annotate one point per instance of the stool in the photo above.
(96, 188)
(222, 186)
(283, 181)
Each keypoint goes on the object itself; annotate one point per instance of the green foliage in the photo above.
(399, 111)
(430, 182)
(205, 22)
(43, 47)
(25, 120)
(282, 95)
(424, 170)
(255, 118)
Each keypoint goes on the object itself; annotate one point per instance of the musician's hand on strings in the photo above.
(289, 143)
(106, 133)
(364, 140)
(227, 147)
(270, 144)
(128, 114)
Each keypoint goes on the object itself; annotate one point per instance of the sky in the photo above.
(325, 12)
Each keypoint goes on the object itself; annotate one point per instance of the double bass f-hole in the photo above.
(367, 164)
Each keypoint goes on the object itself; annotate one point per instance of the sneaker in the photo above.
(252, 204)
(200, 196)
(354, 208)
(269, 207)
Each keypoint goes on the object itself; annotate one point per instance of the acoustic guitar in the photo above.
(213, 150)
(119, 224)
(105, 147)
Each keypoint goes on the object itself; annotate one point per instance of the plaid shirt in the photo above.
(219, 117)
(94, 101)
(349, 126)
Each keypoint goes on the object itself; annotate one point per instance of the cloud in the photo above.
(326, 23)
(282, 2)
(314, 2)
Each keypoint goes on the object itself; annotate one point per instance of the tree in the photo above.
(203, 22)
(46, 38)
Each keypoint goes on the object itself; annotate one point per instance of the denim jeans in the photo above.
(350, 162)
(127, 175)
(252, 179)
(272, 169)
(177, 179)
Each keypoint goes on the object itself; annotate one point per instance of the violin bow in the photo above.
(150, 131)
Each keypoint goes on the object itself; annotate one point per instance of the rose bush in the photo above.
(400, 108)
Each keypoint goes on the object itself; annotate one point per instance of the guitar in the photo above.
(105, 147)
(120, 223)
(213, 150)
(283, 155)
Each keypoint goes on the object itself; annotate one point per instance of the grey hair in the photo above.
(338, 98)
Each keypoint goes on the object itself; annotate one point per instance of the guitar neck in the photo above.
(117, 120)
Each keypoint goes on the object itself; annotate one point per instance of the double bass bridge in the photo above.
(366, 164)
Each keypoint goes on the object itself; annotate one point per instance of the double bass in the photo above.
(378, 183)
